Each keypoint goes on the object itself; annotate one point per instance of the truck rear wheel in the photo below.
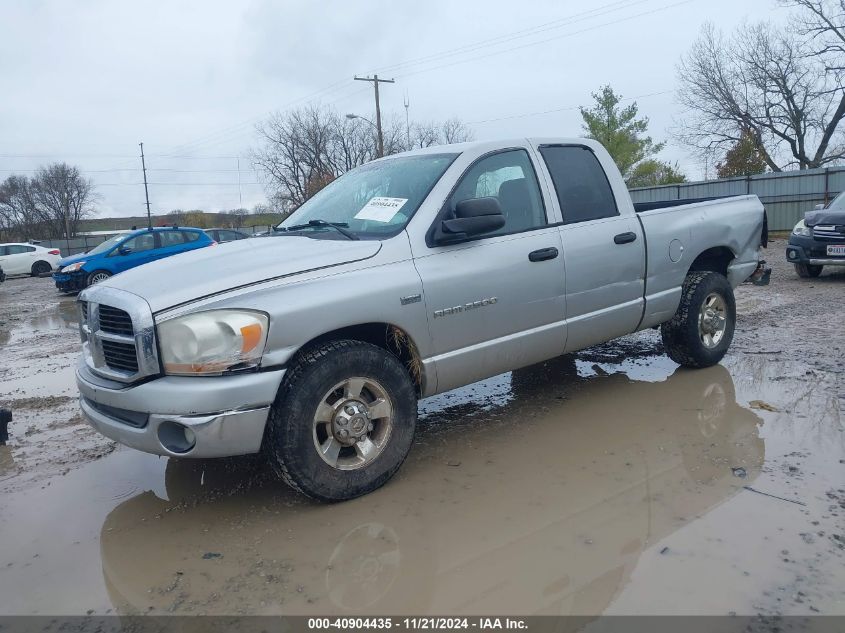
(703, 327)
(806, 271)
(343, 421)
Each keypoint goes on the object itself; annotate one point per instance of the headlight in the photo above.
(802, 230)
(73, 267)
(209, 343)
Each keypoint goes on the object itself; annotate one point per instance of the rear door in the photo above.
(171, 242)
(603, 250)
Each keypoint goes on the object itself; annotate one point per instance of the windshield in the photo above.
(375, 200)
(838, 202)
(108, 244)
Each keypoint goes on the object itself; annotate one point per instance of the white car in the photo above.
(18, 258)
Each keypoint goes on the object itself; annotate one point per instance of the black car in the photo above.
(819, 239)
(226, 235)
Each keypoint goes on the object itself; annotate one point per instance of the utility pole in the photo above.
(240, 195)
(407, 103)
(146, 191)
(376, 81)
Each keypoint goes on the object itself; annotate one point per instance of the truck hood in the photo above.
(824, 216)
(207, 271)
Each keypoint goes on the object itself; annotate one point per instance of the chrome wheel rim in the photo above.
(95, 279)
(353, 423)
(712, 320)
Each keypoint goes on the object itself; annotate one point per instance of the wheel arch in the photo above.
(716, 259)
(388, 337)
(37, 262)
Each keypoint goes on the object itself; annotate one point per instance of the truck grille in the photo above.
(829, 232)
(120, 356)
(118, 334)
(115, 321)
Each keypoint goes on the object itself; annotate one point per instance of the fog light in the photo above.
(175, 437)
(791, 255)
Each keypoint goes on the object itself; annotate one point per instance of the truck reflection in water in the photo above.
(539, 499)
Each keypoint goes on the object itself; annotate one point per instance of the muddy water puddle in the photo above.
(594, 484)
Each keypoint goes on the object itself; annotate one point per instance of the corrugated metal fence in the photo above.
(786, 195)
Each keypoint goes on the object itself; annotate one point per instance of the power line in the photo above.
(513, 35)
(224, 134)
(549, 39)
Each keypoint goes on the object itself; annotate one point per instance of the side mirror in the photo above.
(818, 207)
(124, 250)
(472, 217)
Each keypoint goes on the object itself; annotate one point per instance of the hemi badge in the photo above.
(410, 299)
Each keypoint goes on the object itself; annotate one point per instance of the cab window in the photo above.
(190, 236)
(582, 188)
(510, 177)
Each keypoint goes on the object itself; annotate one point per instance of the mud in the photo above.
(608, 482)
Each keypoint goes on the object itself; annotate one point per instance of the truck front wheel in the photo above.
(703, 327)
(343, 421)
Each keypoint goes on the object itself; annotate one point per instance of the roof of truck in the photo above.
(490, 145)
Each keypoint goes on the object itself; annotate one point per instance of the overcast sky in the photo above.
(84, 82)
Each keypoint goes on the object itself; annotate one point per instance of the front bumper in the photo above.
(807, 250)
(70, 282)
(225, 415)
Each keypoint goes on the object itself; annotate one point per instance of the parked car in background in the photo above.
(405, 277)
(21, 258)
(819, 239)
(126, 251)
(226, 235)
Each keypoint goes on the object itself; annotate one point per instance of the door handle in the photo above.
(625, 238)
(543, 254)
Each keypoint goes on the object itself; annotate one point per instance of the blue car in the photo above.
(126, 251)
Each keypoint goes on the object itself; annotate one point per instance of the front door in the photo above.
(141, 249)
(495, 303)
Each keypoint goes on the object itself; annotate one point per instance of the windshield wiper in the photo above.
(340, 227)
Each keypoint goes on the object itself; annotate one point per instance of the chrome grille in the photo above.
(118, 334)
(115, 321)
(829, 232)
(120, 356)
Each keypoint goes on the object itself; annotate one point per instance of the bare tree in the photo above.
(303, 150)
(781, 86)
(19, 217)
(63, 197)
(455, 131)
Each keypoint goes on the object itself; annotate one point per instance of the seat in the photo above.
(517, 207)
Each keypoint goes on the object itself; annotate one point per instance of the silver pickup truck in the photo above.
(406, 277)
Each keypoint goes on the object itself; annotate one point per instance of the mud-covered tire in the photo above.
(806, 271)
(40, 268)
(682, 338)
(290, 439)
(96, 277)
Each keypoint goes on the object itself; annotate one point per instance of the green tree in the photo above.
(650, 173)
(624, 135)
(744, 158)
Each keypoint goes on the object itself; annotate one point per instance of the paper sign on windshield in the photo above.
(381, 209)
